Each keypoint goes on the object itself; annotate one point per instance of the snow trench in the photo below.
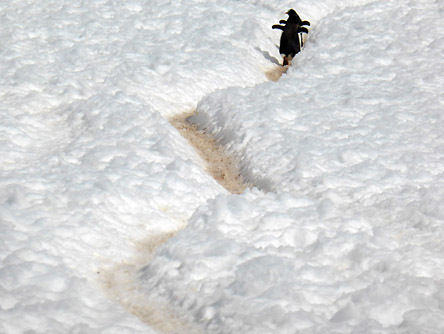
(219, 164)
(121, 284)
(223, 167)
(121, 281)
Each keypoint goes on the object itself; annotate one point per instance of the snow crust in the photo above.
(343, 230)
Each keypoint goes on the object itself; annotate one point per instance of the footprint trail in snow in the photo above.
(122, 284)
(121, 281)
(219, 164)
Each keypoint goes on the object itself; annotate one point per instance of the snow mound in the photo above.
(268, 263)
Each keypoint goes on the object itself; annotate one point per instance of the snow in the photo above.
(342, 230)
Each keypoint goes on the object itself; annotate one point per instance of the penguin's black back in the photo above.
(289, 39)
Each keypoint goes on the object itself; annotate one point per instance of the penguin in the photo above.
(290, 44)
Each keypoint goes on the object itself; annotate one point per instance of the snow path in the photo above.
(221, 166)
(276, 73)
(121, 284)
(121, 281)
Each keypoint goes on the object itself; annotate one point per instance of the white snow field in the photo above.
(343, 231)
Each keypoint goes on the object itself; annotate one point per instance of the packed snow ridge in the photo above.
(341, 232)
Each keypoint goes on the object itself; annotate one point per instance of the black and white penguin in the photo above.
(290, 44)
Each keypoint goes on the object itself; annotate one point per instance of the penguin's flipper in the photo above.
(277, 26)
(303, 29)
(305, 23)
(283, 21)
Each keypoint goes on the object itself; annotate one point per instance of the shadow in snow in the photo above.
(268, 56)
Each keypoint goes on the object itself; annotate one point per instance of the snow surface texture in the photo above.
(349, 149)
(343, 232)
(89, 168)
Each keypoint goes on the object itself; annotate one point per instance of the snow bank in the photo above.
(346, 232)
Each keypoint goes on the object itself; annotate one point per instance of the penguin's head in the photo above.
(293, 16)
